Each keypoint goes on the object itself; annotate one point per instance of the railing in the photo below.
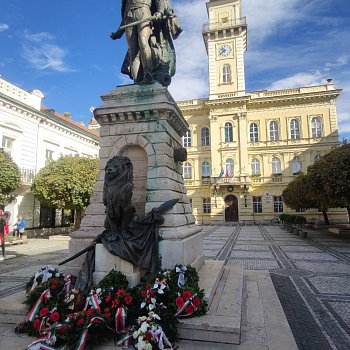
(27, 175)
(210, 27)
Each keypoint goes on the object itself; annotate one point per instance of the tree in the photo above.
(10, 178)
(334, 172)
(67, 183)
(296, 195)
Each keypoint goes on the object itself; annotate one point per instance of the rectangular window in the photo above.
(206, 206)
(277, 204)
(47, 216)
(257, 205)
(300, 210)
(7, 144)
(48, 156)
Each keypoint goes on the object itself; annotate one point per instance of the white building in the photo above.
(34, 135)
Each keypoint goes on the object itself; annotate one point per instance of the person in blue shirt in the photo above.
(19, 226)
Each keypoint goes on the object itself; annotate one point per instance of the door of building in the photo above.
(231, 208)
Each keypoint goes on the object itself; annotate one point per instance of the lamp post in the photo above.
(245, 194)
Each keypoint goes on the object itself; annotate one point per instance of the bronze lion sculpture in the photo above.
(117, 193)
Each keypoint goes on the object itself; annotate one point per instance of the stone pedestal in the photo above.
(144, 123)
(105, 262)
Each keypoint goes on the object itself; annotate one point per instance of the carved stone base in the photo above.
(105, 262)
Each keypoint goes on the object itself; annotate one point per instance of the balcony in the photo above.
(27, 176)
(212, 27)
(232, 181)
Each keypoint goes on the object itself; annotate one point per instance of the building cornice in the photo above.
(45, 117)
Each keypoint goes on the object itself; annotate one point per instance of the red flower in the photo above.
(115, 303)
(128, 299)
(120, 292)
(107, 314)
(36, 324)
(196, 302)
(96, 320)
(152, 293)
(144, 294)
(186, 295)
(43, 312)
(189, 309)
(81, 322)
(148, 336)
(148, 287)
(55, 316)
(62, 330)
(56, 280)
(179, 301)
(89, 312)
(53, 286)
(108, 298)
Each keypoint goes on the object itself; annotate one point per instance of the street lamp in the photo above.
(245, 194)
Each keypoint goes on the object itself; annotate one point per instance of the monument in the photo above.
(141, 129)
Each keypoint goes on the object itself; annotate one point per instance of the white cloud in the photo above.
(340, 62)
(190, 80)
(42, 54)
(299, 80)
(267, 17)
(3, 27)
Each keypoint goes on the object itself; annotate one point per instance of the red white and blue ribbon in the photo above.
(33, 312)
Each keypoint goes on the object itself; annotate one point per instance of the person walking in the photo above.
(2, 233)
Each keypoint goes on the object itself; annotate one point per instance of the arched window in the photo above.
(229, 165)
(294, 129)
(317, 157)
(205, 136)
(253, 132)
(226, 74)
(255, 167)
(276, 166)
(205, 169)
(187, 140)
(296, 165)
(274, 134)
(228, 132)
(316, 128)
(187, 170)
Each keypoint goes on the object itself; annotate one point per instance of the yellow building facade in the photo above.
(244, 148)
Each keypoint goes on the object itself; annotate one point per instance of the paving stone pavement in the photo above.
(311, 277)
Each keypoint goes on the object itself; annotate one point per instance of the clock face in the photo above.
(224, 50)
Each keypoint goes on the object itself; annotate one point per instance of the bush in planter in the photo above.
(300, 220)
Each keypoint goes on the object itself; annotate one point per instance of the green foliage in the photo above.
(334, 173)
(10, 178)
(66, 183)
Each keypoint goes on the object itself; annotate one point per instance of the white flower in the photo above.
(148, 346)
(136, 334)
(144, 327)
(143, 304)
(151, 307)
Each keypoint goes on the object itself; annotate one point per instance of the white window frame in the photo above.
(187, 139)
(253, 132)
(187, 170)
(228, 132)
(294, 125)
(277, 204)
(316, 127)
(205, 169)
(276, 166)
(274, 131)
(226, 74)
(206, 206)
(229, 167)
(205, 137)
(255, 166)
(257, 204)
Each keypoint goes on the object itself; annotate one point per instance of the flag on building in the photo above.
(221, 172)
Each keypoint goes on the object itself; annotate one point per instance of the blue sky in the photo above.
(63, 49)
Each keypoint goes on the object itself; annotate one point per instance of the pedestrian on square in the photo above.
(19, 226)
(2, 232)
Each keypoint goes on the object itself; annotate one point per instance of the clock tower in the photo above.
(225, 38)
